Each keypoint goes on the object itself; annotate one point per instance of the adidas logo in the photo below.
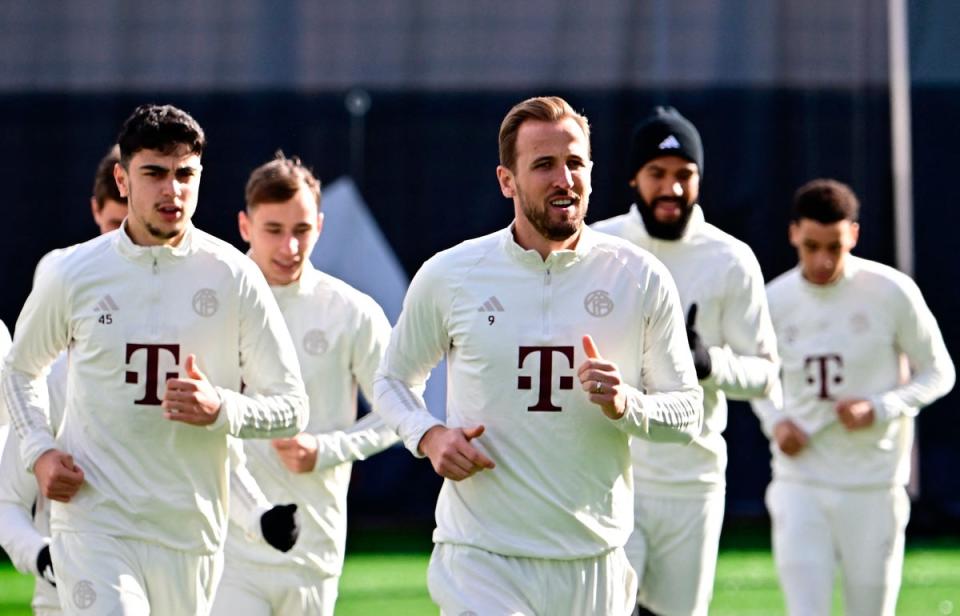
(670, 143)
(491, 305)
(106, 304)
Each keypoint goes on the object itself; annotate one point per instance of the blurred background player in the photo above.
(108, 207)
(139, 468)
(340, 335)
(537, 504)
(680, 490)
(841, 439)
(24, 512)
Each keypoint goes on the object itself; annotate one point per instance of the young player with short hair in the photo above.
(163, 322)
(842, 436)
(680, 490)
(339, 334)
(537, 502)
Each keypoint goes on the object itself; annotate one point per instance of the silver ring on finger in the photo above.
(599, 388)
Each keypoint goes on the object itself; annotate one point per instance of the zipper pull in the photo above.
(154, 264)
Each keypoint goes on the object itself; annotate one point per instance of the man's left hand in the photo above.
(601, 379)
(192, 400)
(855, 414)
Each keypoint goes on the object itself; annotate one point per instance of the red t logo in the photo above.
(544, 403)
(151, 393)
(826, 369)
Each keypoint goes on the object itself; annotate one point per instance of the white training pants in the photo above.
(816, 528)
(467, 581)
(252, 590)
(673, 549)
(98, 575)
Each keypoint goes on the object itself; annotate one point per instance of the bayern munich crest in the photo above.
(315, 342)
(859, 323)
(790, 334)
(84, 595)
(598, 303)
(205, 302)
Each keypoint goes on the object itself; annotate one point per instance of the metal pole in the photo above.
(902, 160)
(902, 165)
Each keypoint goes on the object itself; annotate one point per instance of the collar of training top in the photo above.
(558, 258)
(694, 225)
(150, 254)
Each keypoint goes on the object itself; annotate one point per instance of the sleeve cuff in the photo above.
(770, 421)
(253, 530)
(413, 438)
(888, 406)
(221, 423)
(35, 445)
(634, 415)
(717, 358)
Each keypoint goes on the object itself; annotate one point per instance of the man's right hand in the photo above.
(57, 476)
(790, 438)
(451, 453)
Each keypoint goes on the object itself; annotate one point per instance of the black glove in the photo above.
(281, 526)
(45, 566)
(701, 354)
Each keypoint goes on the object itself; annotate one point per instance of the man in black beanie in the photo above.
(666, 134)
(679, 491)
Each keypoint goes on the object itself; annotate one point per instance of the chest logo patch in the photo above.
(491, 305)
(106, 304)
(790, 333)
(598, 303)
(545, 374)
(84, 596)
(205, 302)
(315, 342)
(859, 323)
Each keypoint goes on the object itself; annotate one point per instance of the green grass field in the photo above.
(394, 583)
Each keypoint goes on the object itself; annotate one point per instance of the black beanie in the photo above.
(665, 133)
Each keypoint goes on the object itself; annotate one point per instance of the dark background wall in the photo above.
(782, 92)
